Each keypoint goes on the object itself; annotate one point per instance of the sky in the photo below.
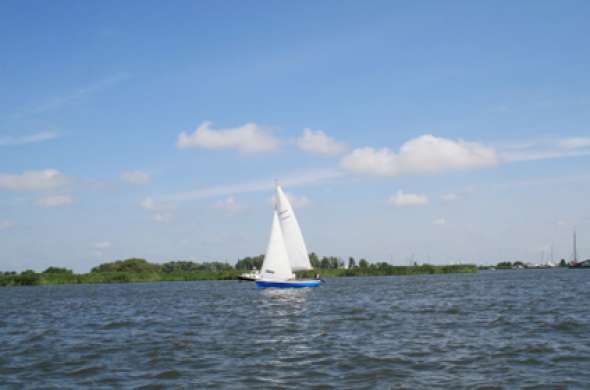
(426, 131)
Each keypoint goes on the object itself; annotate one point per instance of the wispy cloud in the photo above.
(102, 245)
(439, 221)
(450, 197)
(229, 205)
(28, 139)
(543, 149)
(162, 211)
(402, 199)
(33, 180)
(53, 201)
(6, 224)
(136, 177)
(575, 142)
(58, 102)
(297, 201)
(292, 180)
(162, 217)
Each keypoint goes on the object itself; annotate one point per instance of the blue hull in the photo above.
(288, 284)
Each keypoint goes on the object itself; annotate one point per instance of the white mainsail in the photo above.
(296, 249)
(276, 261)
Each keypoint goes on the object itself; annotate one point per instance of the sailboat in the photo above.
(286, 251)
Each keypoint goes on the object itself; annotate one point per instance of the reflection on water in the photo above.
(489, 330)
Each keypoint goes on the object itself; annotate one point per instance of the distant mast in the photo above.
(575, 248)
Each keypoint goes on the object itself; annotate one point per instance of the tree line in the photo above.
(141, 270)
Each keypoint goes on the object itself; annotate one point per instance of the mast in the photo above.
(575, 248)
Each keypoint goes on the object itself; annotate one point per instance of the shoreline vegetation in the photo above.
(137, 270)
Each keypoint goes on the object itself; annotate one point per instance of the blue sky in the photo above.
(436, 131)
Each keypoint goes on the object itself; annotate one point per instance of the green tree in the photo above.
(128, 265)
(248, 263)
(363, 264)
(562, 263)
(28, 278)
(57, 270)
(325, 263)
(314, 260)
(351, 263)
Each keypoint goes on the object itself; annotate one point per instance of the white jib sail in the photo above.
(276, 261)
(294, 242)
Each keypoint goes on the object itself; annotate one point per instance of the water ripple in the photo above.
(493, 330)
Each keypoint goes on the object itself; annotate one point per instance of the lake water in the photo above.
(502, 329)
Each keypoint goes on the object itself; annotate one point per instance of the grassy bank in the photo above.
(111, 277)
(391, 270)
(32, 279)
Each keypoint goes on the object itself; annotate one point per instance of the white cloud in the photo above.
(439, 221)
(249, 138)
(103, 245)
(229, 205)
(401, 199)
(575, 142)
(317, 142)
(54, 201)
(6, 224)
(135, 177)
(33, 180)
(28, 139)
(425, 154)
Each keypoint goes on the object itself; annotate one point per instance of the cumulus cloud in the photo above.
(135, 177)
(439, 221)
(6, 224)
(401, 199)
(53, 201)
(33, 180)
(575, 142)
(425, 154)
(28, 139)
(229, 205)
(249, 138)
(317, 142)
